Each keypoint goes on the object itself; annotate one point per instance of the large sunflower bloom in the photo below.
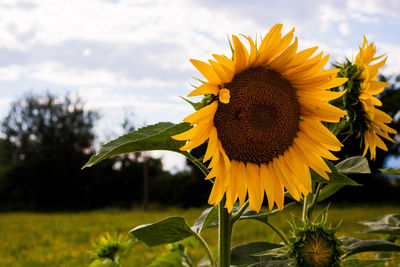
(264, 129)
(374, 119)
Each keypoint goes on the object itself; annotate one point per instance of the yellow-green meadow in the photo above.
(63, 239)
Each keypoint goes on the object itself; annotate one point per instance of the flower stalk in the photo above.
(224, 235)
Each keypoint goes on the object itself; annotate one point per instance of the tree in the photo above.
(46, 141)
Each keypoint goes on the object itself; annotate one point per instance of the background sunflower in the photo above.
(374, 119)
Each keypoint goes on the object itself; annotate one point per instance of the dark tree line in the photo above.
(45, 141)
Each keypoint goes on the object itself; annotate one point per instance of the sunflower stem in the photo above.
(305, 203)
(314, 202)
(206, 248)
(196, 162)
(277, 231)
(239, 213)
(224, 236)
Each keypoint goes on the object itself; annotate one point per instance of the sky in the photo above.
(131, 57)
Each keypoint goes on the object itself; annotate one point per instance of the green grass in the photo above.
(62, 239)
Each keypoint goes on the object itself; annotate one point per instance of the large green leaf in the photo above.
(153, 137)
(176, 257)
(335, 177)
(338, 179)
(358, 246)
(388, 224)
(207, 219)
(391, 171)
(328, 190)
(245, 253)
(357, 164)
(169, 230)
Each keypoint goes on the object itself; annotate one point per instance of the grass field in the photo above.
(62, 239)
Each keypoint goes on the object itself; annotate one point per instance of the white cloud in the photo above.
(10, 73)
(375, 7)
(134, 54)
(392, 66)
(86, 52)
(57, 73)
(344, 28)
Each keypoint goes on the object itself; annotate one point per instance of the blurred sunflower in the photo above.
(374, 120)
(263, 127)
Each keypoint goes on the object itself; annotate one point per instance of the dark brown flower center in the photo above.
(262, 117)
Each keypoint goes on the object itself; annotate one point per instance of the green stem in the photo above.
(196, 162)
(239, 213)
(224, 236)
(206, 248)
(314, 202)
(276, 230)
(305, 203)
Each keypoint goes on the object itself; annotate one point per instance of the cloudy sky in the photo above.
(125, 56)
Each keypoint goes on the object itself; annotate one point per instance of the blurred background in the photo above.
(75, 74)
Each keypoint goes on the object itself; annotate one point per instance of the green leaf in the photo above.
(273, 263)
(322, 216)
(171, 259)
(196, 106)
(169, 230)
(348, 240)
(245, 253)
(389, 224)
(328, 191)
(370, 245)
(207, 219)
(104, 263)
(335, 177)
(153, 137)
(175, 258)
(261, 216)
(357, 164)
(391, 171)
(297, 222)
(364, 263)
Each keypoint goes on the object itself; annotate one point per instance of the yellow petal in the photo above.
(224, 96)
(376, 87)
(200, 136)
(283, 59)
(320, 110)
(207, 71)
(382, 116)
(228, 64)
(232, 189)
(212, 145)
(254, 187)
(225, 75)
(205, 89)
(281, 174)
(268, 184)
(242, 184)
(279, 190)
(265, 54)
(202, 115)
(240, 55)
(321, 94)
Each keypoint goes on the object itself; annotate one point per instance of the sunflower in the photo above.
(374, 120)
(263, 127)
